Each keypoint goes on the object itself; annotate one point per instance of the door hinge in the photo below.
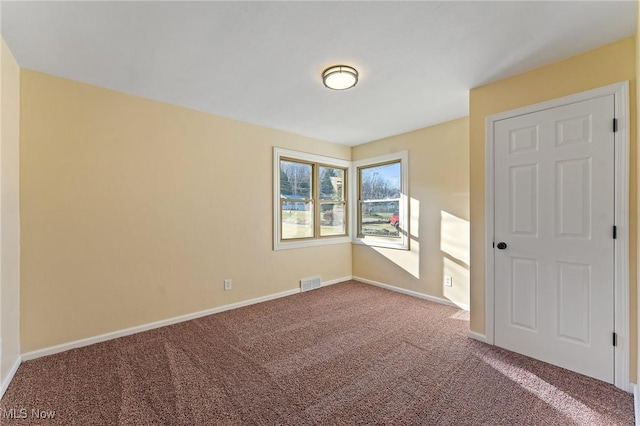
(615, 125)
(615, 232)
(615, 339)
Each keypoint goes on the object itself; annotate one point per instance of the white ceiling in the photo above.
(260, 62)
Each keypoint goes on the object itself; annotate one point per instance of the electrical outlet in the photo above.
(227, 284)
(448, 281)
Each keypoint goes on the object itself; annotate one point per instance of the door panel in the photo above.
(573, 198)
(574, 285)
(523, 182)
(554, 209)
(524, 293)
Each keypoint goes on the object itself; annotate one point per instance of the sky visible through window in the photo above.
(380, 182)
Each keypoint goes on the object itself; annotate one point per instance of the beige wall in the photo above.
(9, 212)
(135, 211)
(637, 94)
(439, 209)
(607, 65)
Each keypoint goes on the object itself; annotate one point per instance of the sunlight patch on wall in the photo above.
(455, 247)
(414, 218)
(454, 238)
(459, 290)
(409, 260)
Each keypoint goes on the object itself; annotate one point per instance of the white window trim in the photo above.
(278, 154)
(403, 242)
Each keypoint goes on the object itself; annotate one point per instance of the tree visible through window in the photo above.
(312, 200)
(311, 204)
(332, 201)
(379, 197)
(297, 204)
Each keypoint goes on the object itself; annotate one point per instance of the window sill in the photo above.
(286, 245)
(401, 244)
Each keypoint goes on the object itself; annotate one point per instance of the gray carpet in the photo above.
(341, 355)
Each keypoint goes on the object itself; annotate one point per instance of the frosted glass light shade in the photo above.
(340, 77)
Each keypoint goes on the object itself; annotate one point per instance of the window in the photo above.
(296, 202)
(382, 211)
(310, 200)
(333, 203)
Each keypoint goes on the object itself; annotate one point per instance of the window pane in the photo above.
(380, 218)
(297, 219)
(332, 219)
(331, 183)
(380, 182)
(295, 180)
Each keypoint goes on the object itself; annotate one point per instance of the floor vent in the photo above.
(310, 283)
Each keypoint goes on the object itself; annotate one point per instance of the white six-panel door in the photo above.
(554, 211)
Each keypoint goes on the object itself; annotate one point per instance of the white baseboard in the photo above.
(636, 402)
(12, 372)
(162, 323)
(414, 293)
(336, 281)
(150, 326)
(477, 336)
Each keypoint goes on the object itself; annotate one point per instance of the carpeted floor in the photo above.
(341, 355)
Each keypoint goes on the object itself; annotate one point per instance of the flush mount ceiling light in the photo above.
(340, 77)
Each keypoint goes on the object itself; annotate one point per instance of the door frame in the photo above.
(621, 214)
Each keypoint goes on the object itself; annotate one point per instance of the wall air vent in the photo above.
(310, 283)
